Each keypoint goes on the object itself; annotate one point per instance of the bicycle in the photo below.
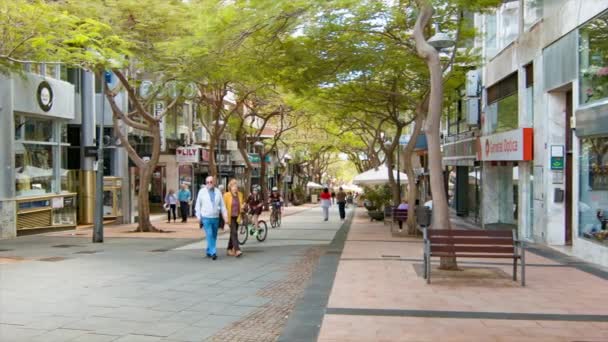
(247, 228)
(275, 215)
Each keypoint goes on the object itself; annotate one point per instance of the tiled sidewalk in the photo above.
(377, 295)
(173, 230)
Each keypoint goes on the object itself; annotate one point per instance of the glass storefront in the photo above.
(35, 153)
(593, 59)
(593, 204)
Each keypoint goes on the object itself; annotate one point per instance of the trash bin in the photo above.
(423, 216)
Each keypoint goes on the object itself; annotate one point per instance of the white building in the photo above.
(543, 145)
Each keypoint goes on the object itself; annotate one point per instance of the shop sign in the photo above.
(515, 145)
(239, 170)
(205, 155)
(254, 157)
(187, 154)
(557, 157)
(44, 95)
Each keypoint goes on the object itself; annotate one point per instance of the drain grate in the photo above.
(391, 256)
(6, 250)
(158, 250)
(66, 246)
(87, 252)
(52, 259)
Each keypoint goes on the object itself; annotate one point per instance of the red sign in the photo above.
(515, 145)
(187, 154)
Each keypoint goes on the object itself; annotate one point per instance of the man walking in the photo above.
(209, 206)
(341, 199)
(184, 197)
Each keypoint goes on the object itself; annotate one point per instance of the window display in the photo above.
(593, 60)
(33, 169)
(593, 205)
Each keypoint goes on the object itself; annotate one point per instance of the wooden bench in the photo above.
(398, 215)
(477, 243)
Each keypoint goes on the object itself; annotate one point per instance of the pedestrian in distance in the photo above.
(185, 199)
(325, 203)
(209, 207)
(234, 205)
(341, 199)
(170, 204)
(333, 197)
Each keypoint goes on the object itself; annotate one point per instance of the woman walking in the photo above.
(171, 204)
(234, 205)
(325, 203)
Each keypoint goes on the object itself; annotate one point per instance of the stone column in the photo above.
(87, 138)
(8, 212)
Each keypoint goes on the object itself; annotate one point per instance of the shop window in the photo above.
(502, 111)
(533, 12)
(593, 60)
(33, 169)
(33, 129)
(593, 204)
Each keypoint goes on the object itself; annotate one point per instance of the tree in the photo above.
(430, 55)
(145, 26)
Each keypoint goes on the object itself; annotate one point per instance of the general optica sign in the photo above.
(515, 145)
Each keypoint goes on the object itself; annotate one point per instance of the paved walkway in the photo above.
(60, 287)
(379, 295)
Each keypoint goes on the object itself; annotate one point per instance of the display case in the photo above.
(48, 211)
(112, 197)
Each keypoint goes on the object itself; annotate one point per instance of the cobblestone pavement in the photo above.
(60, 288)
(266, 323)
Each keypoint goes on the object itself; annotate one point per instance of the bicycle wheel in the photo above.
(279, 220)
(262, 231)
(243, 234)
(273, 220)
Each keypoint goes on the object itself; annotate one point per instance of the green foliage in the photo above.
(380, 195)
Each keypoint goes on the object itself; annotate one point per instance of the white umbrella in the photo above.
(351, 187)
(313, 185)
(377, 176)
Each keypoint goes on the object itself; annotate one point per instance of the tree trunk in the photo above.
(143, 212)
(411, 176)
(212, 160)
(390, 165)
(263, 180)
(441, 215)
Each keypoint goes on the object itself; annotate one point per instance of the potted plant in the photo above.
(375, 199)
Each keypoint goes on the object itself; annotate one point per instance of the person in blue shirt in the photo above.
(185, 198)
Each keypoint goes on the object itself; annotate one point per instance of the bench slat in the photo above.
(472, 249)
(506, 241)
(469, 232)
(489, 256)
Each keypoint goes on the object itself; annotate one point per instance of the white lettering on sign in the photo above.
(187, 154)
(512, 145)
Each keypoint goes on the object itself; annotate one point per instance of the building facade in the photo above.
(543, 128)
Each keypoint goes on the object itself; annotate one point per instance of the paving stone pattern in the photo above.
(266, 323)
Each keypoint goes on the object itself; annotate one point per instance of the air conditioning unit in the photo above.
(201, 135)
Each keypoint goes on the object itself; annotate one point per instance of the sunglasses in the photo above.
(210, 182)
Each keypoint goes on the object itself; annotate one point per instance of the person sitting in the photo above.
(402, 206)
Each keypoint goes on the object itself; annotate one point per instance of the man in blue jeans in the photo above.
(209, 206)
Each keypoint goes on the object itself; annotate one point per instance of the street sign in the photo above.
(557, 163)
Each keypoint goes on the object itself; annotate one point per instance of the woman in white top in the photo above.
(171, 204)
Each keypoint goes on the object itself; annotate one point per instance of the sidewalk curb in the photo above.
(304, 323)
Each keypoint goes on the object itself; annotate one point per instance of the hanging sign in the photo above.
(187, 154)
(515, 145)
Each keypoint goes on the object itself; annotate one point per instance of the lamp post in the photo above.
(441, 40)
(98, 228)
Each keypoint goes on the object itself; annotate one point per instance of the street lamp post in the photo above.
(98, 228)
